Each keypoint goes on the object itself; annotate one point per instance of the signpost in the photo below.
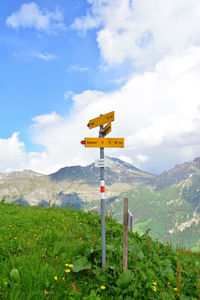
(107, 129)
(101, 120)
(101, 163)
(102, 143)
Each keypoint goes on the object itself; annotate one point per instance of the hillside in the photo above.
(55, 253)
(169, 216)
(169, 204)
(74, 185)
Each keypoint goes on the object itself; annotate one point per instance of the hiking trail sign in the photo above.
(104, 121)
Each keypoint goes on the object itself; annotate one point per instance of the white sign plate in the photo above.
(101, 163)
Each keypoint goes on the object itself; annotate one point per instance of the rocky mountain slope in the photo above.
(117, 171)
(75, 185)
(169, 204)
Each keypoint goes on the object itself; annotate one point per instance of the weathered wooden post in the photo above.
(125, 235)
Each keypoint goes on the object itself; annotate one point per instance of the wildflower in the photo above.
(154, 288)
(71, 266)
(66, 265)
(103, 287)
(63, 278)
(15, 238)
(168, 282)
(154, 283)
(6, 283)
(67, 270)
(46, 292)
(175, 289)
(55, 278)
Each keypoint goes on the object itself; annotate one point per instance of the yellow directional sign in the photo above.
(103, 119)
(104, 142)
(107, 129)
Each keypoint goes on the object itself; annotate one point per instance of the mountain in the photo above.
(169, 204)
(117, 171)
(76, 185)
(18, 174)
(179, 173)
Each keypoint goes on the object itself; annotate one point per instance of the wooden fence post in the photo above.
(125, 236)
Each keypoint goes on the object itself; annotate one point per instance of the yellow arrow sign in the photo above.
(104, 142)
(107, 118)
(107, 129)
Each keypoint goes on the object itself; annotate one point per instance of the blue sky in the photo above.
(65, 62)
(33, 85)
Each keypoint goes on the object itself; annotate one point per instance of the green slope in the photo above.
(55, 253)
(164, 211)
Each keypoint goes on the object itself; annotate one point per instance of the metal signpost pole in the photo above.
(102, 142)
(103, 225)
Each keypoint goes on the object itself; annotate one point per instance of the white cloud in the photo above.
(142, 30)
(12, 152)
(126, 159)
(68, 94)
(44, 56)
(157, 112)
(40, 55)
(142, 158)
(30, 15)
(77, 68)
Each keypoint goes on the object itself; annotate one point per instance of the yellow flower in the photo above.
(71, 266)
(154, 283)
(103, 287)
(46, 292)
(66, 265)
(6, 283)
(55, 278)
(154, 288)
(67, 270)
(15, 238)
(175, 289)
(63, 278)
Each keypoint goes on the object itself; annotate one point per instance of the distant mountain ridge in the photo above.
(117, 171)
(178, 174)
(18, 174)
(168, 203)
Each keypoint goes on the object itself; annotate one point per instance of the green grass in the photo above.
(37, 243)
(162, 211)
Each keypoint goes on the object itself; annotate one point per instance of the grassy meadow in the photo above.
(55, 253)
